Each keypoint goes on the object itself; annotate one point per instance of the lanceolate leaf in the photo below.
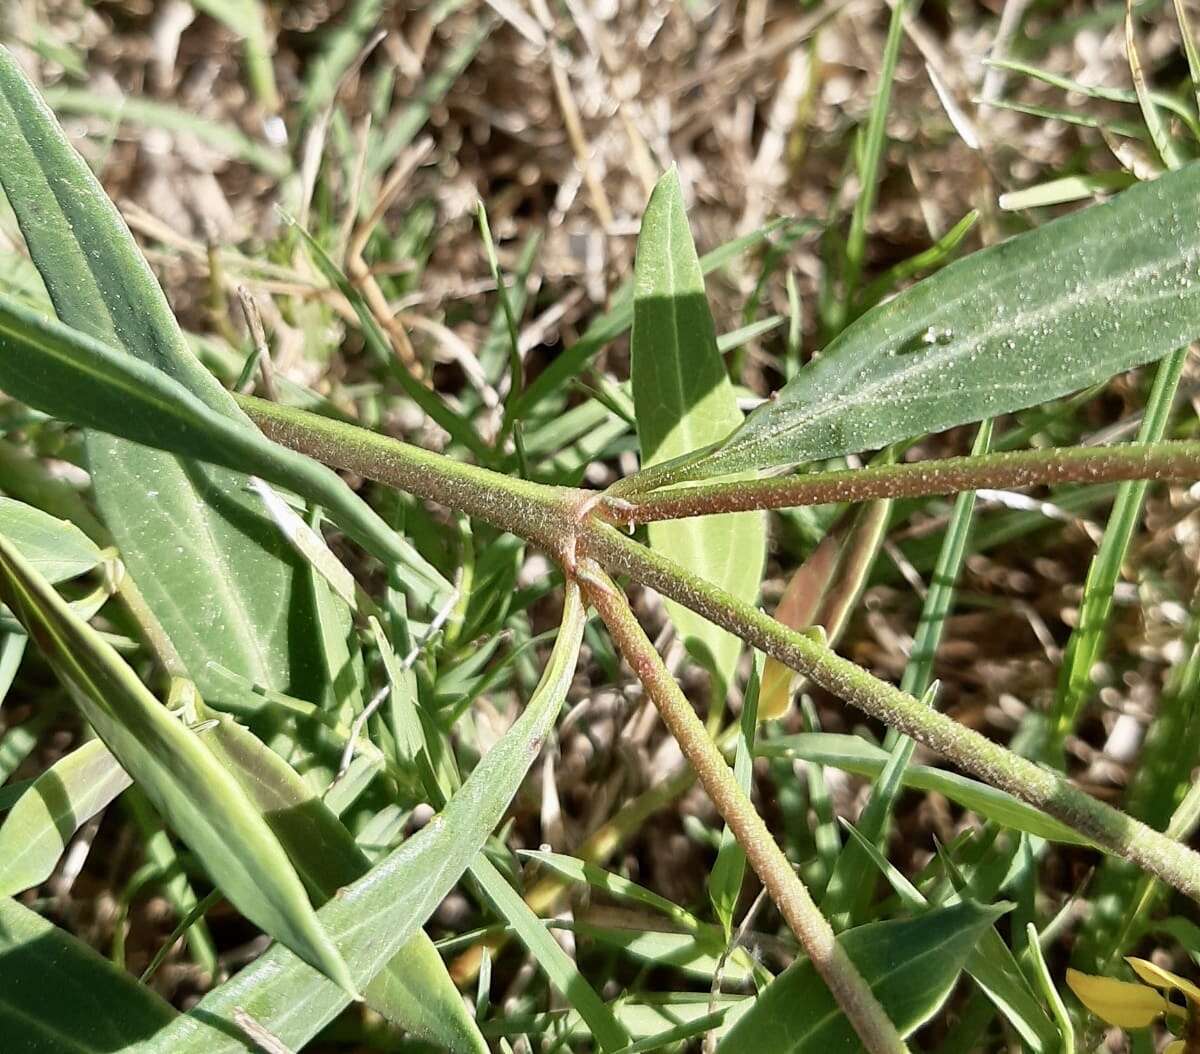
(911, 965)
(1043, 314)
(375, 917)
(854, 754)
(215, 572)
(684, 401)
(61, 800)
(198, 798)
(58, 995)
(69, 374)
(558, 966)
(414, 990)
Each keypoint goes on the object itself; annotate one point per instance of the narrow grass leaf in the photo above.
(585, 873)
(871, 158)
(439, 411)
(1065, 189)
(697, 954)
(1075, 684)
(247, 19)
(729, 869)
(852, 884)
(60, 801)
(558, 967)
(1067, 305)
(852, 754)
(911, 966)
(375, 917)
(1098, 91)
(224, 138)
(196, 796)
(57, 994)
(1062, 1016)
(684, 401)
(1154, 122)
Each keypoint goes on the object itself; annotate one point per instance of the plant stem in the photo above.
(544, 515)
(1025, 468)
(558, 520)
(853, 994)
(1155, 853)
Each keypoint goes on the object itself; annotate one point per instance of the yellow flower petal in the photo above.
(1161, 978)
(1119, 1003)
(1176, 1047)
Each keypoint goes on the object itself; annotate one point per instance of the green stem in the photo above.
(544, 515)
(796, 905)
(1155, 853)
(1025, 468)
(558, 520)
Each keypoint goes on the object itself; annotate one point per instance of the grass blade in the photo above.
(1075, 684)
(851, 886)
(555, 963)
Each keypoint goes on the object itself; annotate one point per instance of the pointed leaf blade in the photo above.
(910, 964)
(1046, 313)
(684, 401)
(196, 796)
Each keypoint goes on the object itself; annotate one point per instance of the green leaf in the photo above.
(559, 968)
(59, 996)
(60, 801)
(57, 549)
(580, 871)
(414, 990)
(373, 919)
(729, 869)
(1043, 314)
(684, 401)
(856, 755)
(911, 966)
(72, 376)
(225, 138)
(196, 796)
(212, 568)
(696, 954)
(991, 964)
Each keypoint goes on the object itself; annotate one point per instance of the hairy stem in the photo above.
(1025, 468)
(1157, 854)
(853, 994)
(543, 515)
(557, 520)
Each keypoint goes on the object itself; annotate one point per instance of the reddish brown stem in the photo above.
(855, 997)
(1025, 468)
